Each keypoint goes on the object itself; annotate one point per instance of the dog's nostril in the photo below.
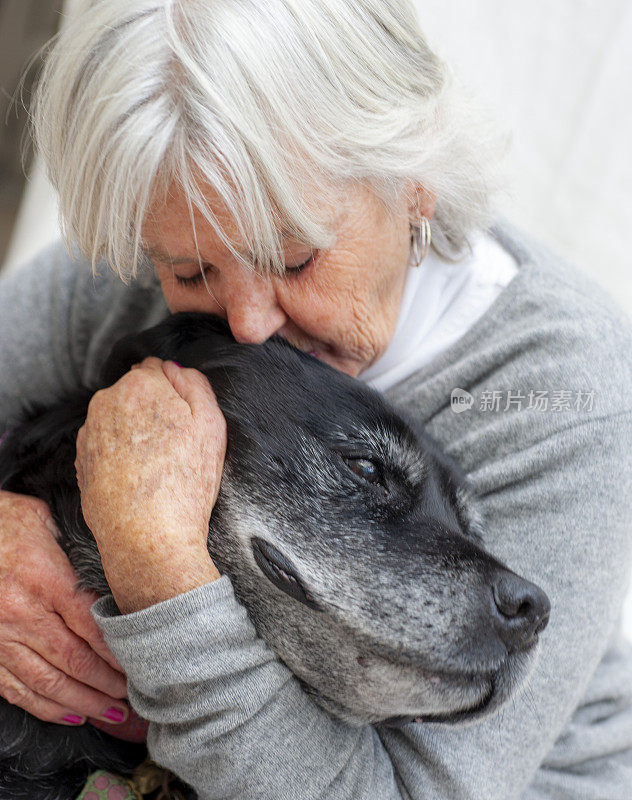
(521, 610)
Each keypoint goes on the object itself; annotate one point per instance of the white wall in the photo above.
(559, 74)
(36, 224)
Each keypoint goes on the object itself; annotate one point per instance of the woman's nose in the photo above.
(251, 306)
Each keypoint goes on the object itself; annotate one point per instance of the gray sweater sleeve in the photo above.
(57, 323)
(39, 361)
(229, 718)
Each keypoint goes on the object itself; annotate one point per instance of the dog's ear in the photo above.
(168, 340)
(37, 456)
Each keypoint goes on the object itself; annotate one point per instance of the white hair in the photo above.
(275, 104)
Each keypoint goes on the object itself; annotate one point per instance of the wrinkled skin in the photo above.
(53, 659)
(342, 307)
(158, 436)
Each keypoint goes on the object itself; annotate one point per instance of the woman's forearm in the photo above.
(149, 463)
(142, 576)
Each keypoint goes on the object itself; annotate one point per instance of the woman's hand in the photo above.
(54, 662)
(149, 465)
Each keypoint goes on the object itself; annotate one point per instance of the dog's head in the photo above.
(350, 537)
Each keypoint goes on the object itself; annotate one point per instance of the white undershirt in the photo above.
(441, 300)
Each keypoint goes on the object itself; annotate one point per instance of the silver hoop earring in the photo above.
(420, 238)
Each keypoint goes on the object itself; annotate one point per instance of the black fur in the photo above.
(342, 566)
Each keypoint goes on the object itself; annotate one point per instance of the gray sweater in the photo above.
(555, 484)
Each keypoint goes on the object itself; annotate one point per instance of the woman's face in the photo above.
(342, 306)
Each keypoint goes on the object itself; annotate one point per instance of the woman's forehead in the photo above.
(174, 231)
(176, 244)
(171, 223)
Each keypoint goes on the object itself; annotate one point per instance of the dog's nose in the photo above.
(521, 610)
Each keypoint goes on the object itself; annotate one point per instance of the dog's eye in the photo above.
(365, 469)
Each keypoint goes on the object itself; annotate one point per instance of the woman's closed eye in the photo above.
(296, 270)
(198, 278)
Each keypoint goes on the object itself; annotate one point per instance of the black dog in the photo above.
(349, 536)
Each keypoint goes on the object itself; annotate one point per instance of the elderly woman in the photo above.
(282, 164)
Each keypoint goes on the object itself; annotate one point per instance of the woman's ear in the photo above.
(422, 202)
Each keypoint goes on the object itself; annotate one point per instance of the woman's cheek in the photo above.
(315, 301)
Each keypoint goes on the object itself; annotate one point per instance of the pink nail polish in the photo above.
(114, 714)
(178, 365)
(73, 719)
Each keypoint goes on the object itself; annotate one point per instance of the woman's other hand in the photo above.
(149, 464)
(54, 662)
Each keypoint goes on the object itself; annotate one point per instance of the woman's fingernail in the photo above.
(178, 365)
(114, 714)
(73, 719)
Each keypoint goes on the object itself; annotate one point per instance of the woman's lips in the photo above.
(321, 352)
(301, 341)
(317, 352)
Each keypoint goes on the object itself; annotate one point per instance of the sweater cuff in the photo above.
(200, 638)
(114, 624)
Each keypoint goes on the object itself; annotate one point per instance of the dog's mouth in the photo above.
(280, 571)
(486, 690)
(451, 696)
(489, 686)
(466, 713)
(460, 694)
(455, 695)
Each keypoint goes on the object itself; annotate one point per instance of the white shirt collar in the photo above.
(440, 301)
